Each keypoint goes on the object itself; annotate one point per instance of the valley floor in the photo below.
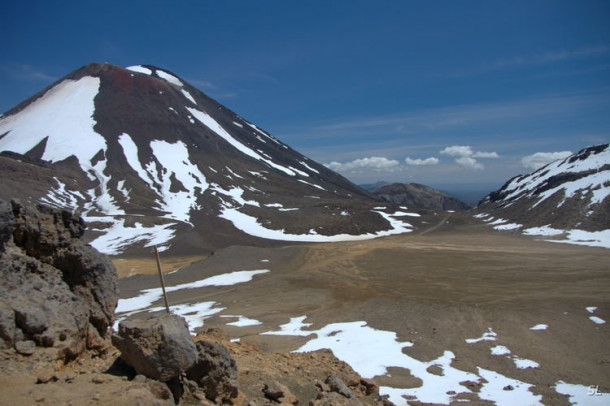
(454, 311)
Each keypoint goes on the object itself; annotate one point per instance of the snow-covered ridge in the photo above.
(576, 175)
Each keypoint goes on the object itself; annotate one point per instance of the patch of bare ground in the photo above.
(148, 266)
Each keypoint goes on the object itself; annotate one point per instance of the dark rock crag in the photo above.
(56, 291)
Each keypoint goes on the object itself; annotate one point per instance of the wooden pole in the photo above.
(162, 280)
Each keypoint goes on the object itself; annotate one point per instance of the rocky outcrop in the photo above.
(215, 372)
(159, 347)
(56, 292)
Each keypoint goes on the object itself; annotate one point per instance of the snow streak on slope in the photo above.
(213, 125)
(175, 162)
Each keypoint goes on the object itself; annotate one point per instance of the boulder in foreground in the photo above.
(159, 347)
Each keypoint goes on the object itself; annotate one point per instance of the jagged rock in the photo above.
(279, 393)
(215, 372)
(6, 223)
(369, 385)
(56, 291)
(337, 385)
(159, 347)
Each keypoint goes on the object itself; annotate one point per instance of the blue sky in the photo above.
(412, 91)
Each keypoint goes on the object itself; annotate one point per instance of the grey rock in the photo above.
(56, 291)
(215, 372)
(7, 326)
(25, 347)
(7, 219)
(159, 347)
(337, 385)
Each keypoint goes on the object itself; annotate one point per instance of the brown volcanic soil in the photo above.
(449, 281)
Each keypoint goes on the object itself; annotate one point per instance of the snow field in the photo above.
(575, 236)
(194, 313)
(383, 350)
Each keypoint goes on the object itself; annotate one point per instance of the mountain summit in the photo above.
(147, 159)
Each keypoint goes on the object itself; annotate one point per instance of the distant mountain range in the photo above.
(147, 159)
(416, 196)
(568, 196)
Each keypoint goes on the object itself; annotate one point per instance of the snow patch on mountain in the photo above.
(170, 78)
(575, 164)
(116, 237)
(175, 163)
(140, 69)
(65, 110)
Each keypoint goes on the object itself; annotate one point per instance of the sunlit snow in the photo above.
(195, 312)
(383, 350)
(242, 321)
(188, 96)
(489, 335)
(250, 225)
(213, 125)
(170, 78)
(581, 395)
(175, 161)
(66, 109)
(117, 236)
(139, 69)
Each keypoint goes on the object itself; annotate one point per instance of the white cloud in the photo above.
(458, 151)
(371, 163)
(465, 156)
(539, 159)
(469, 163)
(480, 154)
(419, 162)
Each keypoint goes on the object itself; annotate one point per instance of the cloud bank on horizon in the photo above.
(460, 158)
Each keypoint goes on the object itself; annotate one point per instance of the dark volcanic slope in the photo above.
(572, 193)
(148, 159)
(416, 196)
